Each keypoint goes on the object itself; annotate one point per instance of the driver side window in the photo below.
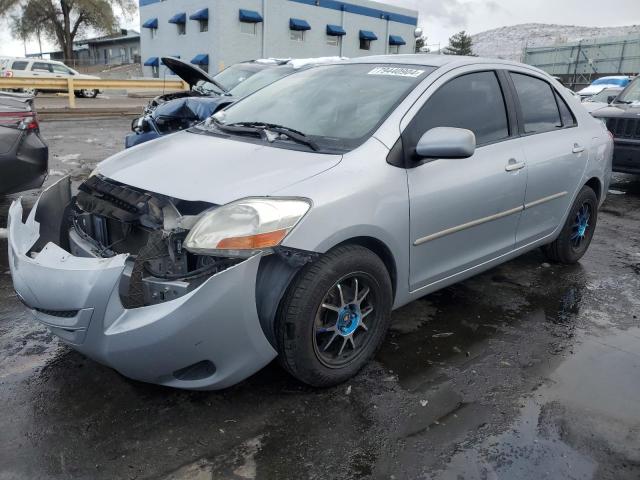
(473, 101)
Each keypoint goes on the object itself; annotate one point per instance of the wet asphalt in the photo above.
(528, 371)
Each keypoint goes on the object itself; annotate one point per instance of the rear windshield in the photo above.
(259, 80)
(338, 105)
(235, 74)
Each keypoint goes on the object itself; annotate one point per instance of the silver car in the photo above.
(291, 223)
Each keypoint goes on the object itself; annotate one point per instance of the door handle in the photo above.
(577, 148)
(514, 165)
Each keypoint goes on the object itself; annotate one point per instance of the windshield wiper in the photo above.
(626, 102)
(260, 127)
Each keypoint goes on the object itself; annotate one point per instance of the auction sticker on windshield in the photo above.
(397, 72)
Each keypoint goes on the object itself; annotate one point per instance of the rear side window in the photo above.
(473, 101)
(19, 65)
(41, 67)
(568, 120)
(537, 103)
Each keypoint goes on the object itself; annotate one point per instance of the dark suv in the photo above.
(622, 118)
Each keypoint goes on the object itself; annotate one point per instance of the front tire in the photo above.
(577, 232)
(334, 316)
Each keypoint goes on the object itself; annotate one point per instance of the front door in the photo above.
(464, 212)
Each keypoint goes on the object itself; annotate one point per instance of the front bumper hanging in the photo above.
(209, 338)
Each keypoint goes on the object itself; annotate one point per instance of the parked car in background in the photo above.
(622, 118)
(181, 113)
(23, 154)
(292, 222)
(40, 68)
(605, 82)
(201, 84)
(602, 99)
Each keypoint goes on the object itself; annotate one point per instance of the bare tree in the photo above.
(63, 20)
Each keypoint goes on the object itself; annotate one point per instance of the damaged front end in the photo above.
(107, 272)
(107, 219)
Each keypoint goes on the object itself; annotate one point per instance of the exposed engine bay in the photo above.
(107, 218)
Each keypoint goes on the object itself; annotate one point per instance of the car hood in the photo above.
(199, 167)
(619, 110)
(593, 89)
(187, 72)
(594, 106)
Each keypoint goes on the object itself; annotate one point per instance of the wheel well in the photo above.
(380, 249)
(594, 183)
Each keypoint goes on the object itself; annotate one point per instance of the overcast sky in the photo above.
(442, 18)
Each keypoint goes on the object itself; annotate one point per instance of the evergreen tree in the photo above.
(459, 44)
(421, 45)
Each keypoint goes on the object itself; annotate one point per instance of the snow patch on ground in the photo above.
(68, 158)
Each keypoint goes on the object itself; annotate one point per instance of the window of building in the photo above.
(182, 28)
(153, 32)
(394, 49)
(537, 104)
(333, 40)
(296, 35)
(365, 44)
(19, 65)
(155, 71)
(473, 101)
(248, 27)
(204, 25)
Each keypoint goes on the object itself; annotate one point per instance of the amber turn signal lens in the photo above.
(252, 242)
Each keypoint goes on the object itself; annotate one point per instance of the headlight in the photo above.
(245, 227)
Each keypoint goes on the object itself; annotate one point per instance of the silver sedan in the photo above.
(291, 223)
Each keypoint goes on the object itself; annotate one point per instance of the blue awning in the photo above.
(152, 62)
(335, 30)
(179, 18)
(367, 35)
(249, 16)
(396, 40)
(201, 59)
(298, 24)
(151, 23)
(200, 15)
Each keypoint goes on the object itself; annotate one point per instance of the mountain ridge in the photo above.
(509, 42)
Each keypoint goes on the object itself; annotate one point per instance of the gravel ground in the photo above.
(527, 371)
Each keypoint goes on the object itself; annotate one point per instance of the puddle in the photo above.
(569, 428)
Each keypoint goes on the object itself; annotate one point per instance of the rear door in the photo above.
(556, 153)
(464, 212)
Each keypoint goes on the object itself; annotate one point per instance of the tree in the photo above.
(63, 20)
(459, 44)
(421, 45)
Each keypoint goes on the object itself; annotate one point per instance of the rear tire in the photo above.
(577, 232)
(334, 316)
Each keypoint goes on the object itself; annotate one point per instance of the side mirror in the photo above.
(611, 98)
(446, 142)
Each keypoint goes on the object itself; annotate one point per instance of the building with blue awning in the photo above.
(216, 34)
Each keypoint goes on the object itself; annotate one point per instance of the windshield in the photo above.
(611, 81)
(631, 94)
(604, 95)
(232, 76)
(207, 88)
(337, 105)
(259, 80)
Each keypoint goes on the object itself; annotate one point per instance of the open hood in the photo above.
(198, 167)
(189, 73)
